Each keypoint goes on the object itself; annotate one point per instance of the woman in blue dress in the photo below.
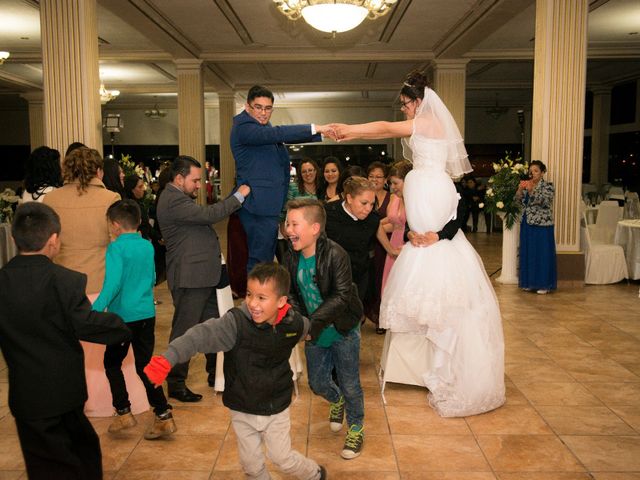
(537, 242)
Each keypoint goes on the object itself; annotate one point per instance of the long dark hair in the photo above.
(111, 178)
(130, 182)
(300, 181)
(43, 170)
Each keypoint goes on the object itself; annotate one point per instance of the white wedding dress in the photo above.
(443, 292)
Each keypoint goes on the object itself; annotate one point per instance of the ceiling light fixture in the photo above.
(4, 56)
(334, 16)
(107, 95)
(155, 112)
(496, 111)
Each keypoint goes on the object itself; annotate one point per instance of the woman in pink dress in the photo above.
(396, 219)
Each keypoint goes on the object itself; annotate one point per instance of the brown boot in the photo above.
(163, 425)
(123, 420)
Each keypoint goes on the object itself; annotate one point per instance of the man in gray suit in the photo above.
(193, 259)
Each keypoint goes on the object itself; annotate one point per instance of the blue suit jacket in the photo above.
(262, 160)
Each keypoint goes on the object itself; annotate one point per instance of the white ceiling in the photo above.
(244, 42)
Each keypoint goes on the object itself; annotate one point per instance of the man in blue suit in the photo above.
(262, 162)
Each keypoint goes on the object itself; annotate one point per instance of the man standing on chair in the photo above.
(262, 162)
(193, 259)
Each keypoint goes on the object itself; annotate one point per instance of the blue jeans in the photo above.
(344, 355)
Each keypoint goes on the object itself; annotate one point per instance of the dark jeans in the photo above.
(192, 306)
(142, 341)
(64, 447)
(344, 356)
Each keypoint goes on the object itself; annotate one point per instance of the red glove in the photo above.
(157, 370)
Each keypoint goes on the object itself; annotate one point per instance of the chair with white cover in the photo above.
(609, 213)
(406, 358)
(604, 262)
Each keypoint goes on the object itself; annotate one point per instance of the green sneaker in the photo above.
(353, 443)
(336, 415)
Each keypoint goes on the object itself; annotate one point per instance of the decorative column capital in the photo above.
(451, 64)
(34, 97)
(188, 65)
(600, 90)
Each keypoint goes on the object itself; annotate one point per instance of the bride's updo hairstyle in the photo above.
(414, 85)
(355, 185)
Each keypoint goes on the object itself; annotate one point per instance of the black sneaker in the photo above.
(323, 473)
(336, 415)
(353, 443)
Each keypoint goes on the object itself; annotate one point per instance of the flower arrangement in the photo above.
(128, 166)
(8, 202)
(501, 194)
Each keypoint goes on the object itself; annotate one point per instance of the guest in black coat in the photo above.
(353, 224)
(44, 312)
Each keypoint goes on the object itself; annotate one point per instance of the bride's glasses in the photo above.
(404, 104)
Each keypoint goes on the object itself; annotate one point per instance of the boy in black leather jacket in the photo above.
(322, 290)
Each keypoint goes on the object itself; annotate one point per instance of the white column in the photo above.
(36, 119)
(559, 88)
(227, 164)
(69, 33)
(449, 82)
(191, 115)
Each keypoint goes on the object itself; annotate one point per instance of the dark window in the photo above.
(623, 103)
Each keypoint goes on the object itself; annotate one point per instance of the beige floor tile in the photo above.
(616, 476)
(200, 421)
(12, 474)
(514, 394)
(630, 414)
(439, 453)
(408, 420)
(544, 476)
(509, 420)
(544, 393)
(116, 449)
(576, 420)
(528, 453)
(161, 475)
(606, 453)
(448, 476)
(10, 453)
(377, 454)
(398, 394)
(180, 453)
(615, 394)
(534, 372)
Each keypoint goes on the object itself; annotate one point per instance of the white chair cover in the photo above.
(405, 359)
(609, 213)
(604, 263)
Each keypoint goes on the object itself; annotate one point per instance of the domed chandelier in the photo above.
(334, 16)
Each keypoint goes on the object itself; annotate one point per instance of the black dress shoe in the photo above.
(211, 381)
(185, 395)
(381, 331)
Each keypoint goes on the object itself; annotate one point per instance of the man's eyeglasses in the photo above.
(262, 108)
(404, 104)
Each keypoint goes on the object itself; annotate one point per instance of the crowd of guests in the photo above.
(92, 249)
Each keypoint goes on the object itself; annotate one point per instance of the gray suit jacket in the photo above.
(193, 251)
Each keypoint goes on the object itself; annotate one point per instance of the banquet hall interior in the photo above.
(554, 80)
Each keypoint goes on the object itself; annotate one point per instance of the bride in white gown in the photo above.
(440, 291)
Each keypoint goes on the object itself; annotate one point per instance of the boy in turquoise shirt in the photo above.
(128, 291)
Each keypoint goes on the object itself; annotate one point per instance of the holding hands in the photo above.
(422, 239)
(336, 131)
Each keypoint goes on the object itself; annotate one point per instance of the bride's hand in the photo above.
(343, 131)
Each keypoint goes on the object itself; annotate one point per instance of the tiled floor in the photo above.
(572, 412)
